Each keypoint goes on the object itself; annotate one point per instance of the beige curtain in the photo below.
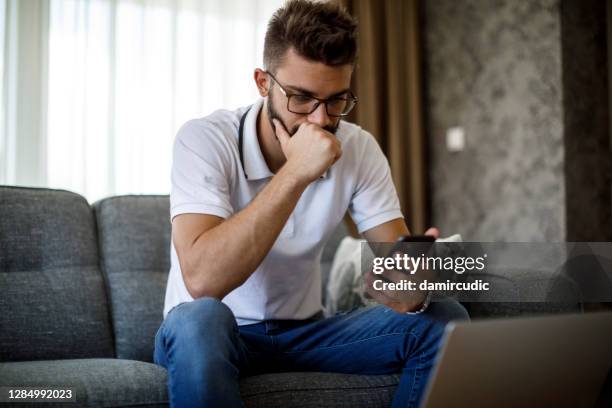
(387, 81)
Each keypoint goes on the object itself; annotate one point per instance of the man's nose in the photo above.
(320, 116)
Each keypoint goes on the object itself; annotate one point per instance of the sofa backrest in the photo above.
(52, 298)
(134, 239)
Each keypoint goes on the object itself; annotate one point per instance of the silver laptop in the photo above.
(551, 361)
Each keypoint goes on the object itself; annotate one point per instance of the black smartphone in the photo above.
(416, 238)
(427, 243)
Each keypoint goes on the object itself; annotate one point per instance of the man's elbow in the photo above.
(202, 279)
(195, 279)
(199, 285)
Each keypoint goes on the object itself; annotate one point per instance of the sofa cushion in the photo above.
(519, 292)
(134, 238)
(116, 382)
(53, 303)
(318, 390)
(98, 382)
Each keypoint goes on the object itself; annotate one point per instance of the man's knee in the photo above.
(205, 314)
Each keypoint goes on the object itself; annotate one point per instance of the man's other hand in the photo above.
(402, 301)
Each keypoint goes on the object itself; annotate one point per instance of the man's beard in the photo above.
(273, 114)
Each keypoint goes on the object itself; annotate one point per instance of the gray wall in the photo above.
(494, 67)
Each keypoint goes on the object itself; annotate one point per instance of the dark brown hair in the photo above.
(318, 31)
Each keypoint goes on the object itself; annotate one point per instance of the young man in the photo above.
(256, 193)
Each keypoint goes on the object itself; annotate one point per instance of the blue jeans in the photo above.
(206, 352)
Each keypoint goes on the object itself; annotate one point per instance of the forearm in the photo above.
(223, 258)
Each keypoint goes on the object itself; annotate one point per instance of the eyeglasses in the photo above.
(336, 106)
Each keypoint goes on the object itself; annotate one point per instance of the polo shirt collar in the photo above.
(254, 164)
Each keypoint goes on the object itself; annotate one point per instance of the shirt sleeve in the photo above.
(375, 199)
(200, 173)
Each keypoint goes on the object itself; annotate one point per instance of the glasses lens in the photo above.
(305, 104)
(302, 104)
(339, 107)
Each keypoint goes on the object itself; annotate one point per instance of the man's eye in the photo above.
(301, 99)
(337, 101)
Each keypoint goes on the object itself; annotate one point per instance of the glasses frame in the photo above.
(350, 97)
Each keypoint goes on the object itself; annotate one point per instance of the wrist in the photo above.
(292, 177)
(423, 306)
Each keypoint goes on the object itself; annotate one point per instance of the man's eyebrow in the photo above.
(306, 92)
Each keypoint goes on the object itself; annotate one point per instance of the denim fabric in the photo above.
(206, 353)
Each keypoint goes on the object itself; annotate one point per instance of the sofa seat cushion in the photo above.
(97, 381)
(118, 383)
(318, 390)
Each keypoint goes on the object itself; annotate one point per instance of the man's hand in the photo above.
(309, 152)
(401, 301)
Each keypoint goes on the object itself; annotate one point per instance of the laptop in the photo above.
(548, 361)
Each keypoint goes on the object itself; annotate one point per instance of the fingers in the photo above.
(382, 296)
(323, 136)
(433, 231)
(376, 295)
(281, 133)
(396, 299)
(333, 141)
(393, 275)
(395, 304)
(338, 153)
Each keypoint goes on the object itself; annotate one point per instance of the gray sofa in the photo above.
(82, 292)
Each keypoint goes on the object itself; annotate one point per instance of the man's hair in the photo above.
(318, 31)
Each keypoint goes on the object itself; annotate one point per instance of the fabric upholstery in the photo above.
(98, 382)
(134, 239)
(535, 293)
(119, 383)
(318, 390)
(53, 303)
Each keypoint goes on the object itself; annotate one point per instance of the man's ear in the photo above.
(262, 82)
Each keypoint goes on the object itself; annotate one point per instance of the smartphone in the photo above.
(416, 238)
(427, 241)
(386, 249)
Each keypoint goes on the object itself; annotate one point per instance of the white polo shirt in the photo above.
(208, 177)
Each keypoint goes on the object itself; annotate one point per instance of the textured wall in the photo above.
(494, 68)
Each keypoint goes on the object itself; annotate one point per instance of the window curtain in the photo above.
(23, 44)
(112, 82)
(388, 80)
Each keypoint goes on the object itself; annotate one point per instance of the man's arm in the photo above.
(217, 255)
(389, 232)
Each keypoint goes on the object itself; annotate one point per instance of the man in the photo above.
(255, 195)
